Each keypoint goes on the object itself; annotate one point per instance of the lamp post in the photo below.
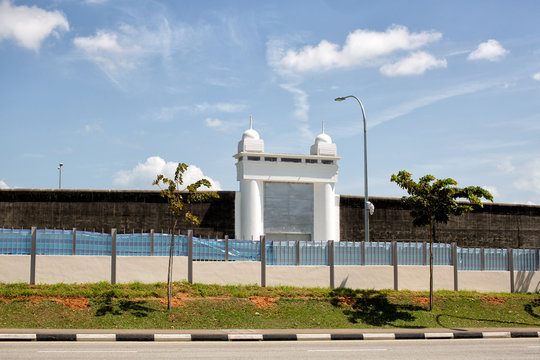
(368, 207)
(60, 175)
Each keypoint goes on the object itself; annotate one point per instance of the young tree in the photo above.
(433, 201)
(177, 200)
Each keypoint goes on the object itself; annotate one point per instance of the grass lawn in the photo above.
(197, 306)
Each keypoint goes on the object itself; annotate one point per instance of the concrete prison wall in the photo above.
(494, 226)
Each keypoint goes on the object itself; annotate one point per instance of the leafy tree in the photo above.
(178, 201)
(433, 201)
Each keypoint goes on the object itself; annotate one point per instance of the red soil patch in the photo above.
(493, 299)
(72, 303)
(262, 301)
(422, 300)
(174, 301)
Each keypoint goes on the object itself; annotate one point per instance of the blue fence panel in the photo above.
(245, 250)
(54, 242)
(313, 252)
(525, 259)
(378, 253)
(496, 259)
(410, 253)
(348, 253)
(133, 244)
(281, 253)
(60, 242)
(93, 243)
(469, 259)
(15, 241)
(209, 249)
(162, 243)
(442, 254)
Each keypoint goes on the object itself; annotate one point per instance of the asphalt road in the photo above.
(476, 349)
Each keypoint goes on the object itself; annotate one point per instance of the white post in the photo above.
(251, 208)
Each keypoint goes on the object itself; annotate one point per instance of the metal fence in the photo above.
(74, 242)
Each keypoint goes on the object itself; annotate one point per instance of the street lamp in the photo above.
(60, 175)
(368, 207)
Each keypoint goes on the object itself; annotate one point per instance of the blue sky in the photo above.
(121, 90)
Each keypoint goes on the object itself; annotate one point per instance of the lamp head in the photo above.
(340, 99)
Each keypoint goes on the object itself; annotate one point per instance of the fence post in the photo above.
(363, 255)
(331, 261)
(395, 263)
(113, 256)
(190, 256)
(455, 261)
(482, 259)
(297, 252)
(33, 256)
(424, 255)
(151, 242)
(263, 261)
(226, 247)
(74, 245)
(511, 268)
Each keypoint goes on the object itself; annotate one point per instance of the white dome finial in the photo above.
(250, 133)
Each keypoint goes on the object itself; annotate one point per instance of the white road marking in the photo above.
(346, 350)
(87, 351)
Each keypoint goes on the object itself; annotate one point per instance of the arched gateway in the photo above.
(285, 196)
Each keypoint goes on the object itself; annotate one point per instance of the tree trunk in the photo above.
(431, 236)
(169, 273)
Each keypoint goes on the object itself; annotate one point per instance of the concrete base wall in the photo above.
(85, 269)
(417, 278)
(151, 269)
(300, 276)
(364, 277)
(14, 268)
(527, 281)
(484, 281)
(227, 273)
(72, 269)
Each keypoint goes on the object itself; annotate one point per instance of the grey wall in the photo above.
(105, 209)
(496, 225)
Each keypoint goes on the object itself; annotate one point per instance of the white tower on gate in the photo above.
(285, 196)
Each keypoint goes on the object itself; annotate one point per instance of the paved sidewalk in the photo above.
(263, 334)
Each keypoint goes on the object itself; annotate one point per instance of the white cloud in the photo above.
(213, 123)
(169, 113)
(126, 48)
(219, 107)
(536, 76)
(417, 63)
(492, 190)
(362, 47)
(506, 166)
(300, 101)
(3, 185)
(105, 50)
(530, 203)
(220, 125)
(411, 105)
(490, 50)
(91, 128)
(142, 175)
(29, 26)
(529, 177)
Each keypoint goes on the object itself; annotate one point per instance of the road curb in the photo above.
(270, 337)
